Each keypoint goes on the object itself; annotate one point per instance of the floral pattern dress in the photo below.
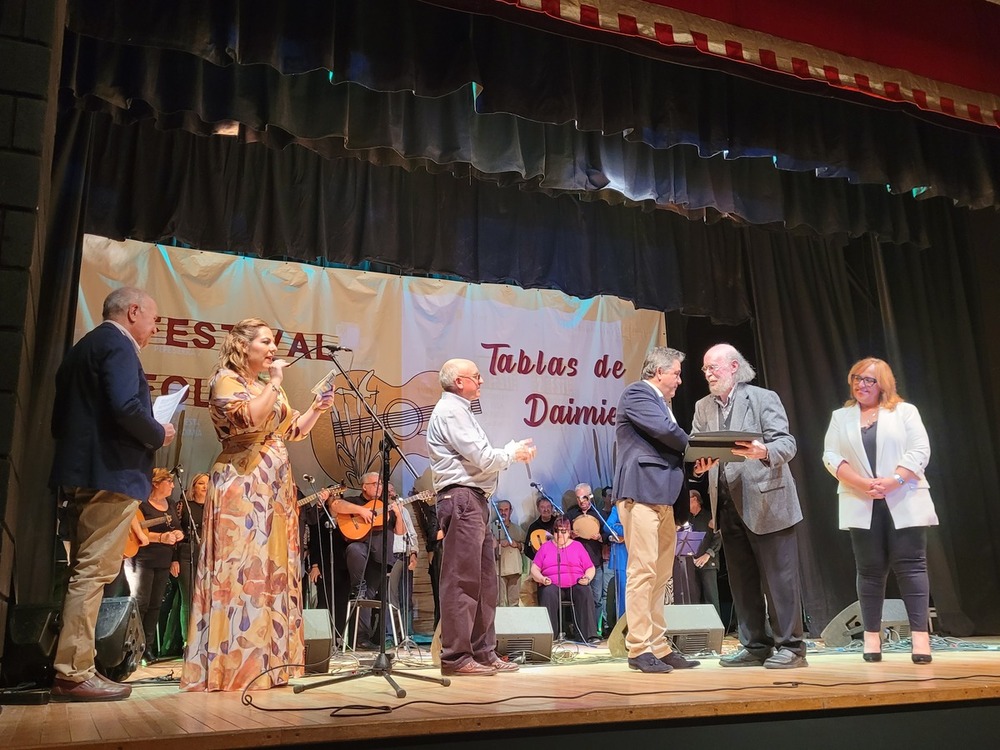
(246, 615)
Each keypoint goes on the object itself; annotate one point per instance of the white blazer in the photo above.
(901, 440)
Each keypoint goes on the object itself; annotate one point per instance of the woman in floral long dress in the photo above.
(246, 615)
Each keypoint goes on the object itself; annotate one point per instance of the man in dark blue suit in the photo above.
(649, 478)
(105, 440)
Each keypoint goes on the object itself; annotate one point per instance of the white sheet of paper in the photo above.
(165, 406)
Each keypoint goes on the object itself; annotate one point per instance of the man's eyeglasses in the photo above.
(477, 377)
(863, 379)
(710, 368)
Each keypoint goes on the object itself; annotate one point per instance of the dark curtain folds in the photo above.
(220, 194)
(936, 319)
(546, 78)
(446, 134)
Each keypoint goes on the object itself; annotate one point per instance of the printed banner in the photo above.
(553, 365)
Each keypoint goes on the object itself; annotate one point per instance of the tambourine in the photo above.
(586, 527)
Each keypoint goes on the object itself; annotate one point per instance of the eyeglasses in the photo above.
(863, 379)
(562, 531)
(710, 368)
(477, 377)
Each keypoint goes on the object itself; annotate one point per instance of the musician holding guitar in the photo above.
(361, 524)
(152, 565)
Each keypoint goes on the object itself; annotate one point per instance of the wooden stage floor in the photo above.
(583, 696)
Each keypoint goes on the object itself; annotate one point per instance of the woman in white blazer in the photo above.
(877, 448)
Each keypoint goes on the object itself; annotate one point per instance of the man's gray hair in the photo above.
(583, 485)
(117, 303)
(662, 358)
(448, 373)
(371, 476)
(744, 372)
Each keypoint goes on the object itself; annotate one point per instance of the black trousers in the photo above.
(904, 551)
(364, 565)
(551, 597)
(764, 578)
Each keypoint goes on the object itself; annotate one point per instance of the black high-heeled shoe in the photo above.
(921, 658)
(872, 656)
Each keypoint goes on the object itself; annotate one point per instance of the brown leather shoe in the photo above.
(95, 689)
(504, 666)
(470, 669)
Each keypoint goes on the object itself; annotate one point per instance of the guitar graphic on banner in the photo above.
(346, 442)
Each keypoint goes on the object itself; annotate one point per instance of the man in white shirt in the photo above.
(465, 468)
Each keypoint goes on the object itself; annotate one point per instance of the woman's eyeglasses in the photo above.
(863, 379)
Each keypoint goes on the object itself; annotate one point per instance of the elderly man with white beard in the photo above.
(755, 507)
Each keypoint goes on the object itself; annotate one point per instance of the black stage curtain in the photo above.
(220, 194)
(446, 134)
(544, 78)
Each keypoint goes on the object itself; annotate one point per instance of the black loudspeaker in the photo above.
(847, 624)
(520, 631)
(319, 640)
(694, 628)
(120, 640)
(30, 646)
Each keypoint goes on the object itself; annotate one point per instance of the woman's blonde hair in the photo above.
(161, 475)
(235, 347)
(195, 478)
(888, 398)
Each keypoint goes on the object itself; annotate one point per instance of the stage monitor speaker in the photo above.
(524, 630)
(694, 628)
(319, 640)
(120, 640)
(30, 646)
(841, 629)
(520, 630)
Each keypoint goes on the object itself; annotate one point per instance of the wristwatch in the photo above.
(899, 479)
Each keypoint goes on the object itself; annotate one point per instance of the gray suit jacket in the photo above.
(650, 447)
(763, 493)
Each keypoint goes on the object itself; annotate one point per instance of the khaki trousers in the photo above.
(97, 528)
(650, 536)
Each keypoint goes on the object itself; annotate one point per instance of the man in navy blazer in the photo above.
(649, 478)
(105, 437)
(756, 507)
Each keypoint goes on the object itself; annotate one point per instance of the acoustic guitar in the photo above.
(132, 543)
(354, 527)
(538, 538)
(335, 491)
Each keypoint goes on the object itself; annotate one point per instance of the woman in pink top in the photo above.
(562, 566)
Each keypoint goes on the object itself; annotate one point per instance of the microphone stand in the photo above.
(382, 666)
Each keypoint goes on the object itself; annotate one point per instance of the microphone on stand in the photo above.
(177, 471)
(309, 478)
(334, 349)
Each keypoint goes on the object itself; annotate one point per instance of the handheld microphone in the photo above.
(335, 349)
(177, 470)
